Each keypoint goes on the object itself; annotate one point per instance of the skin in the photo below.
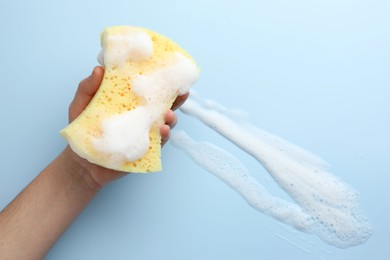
(38, 216)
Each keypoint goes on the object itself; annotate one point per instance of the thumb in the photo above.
(85, 92)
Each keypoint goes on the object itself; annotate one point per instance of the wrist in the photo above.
(94, 176)
(79, 169)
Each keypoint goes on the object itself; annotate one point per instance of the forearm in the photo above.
(32, 223)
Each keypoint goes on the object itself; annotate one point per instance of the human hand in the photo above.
(97, 176)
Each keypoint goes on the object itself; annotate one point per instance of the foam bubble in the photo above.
(175, 79)
(126, 136)
(122, 138)
(134, 45)
(229, 169)
(323, 198)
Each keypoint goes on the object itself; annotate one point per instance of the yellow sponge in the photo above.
(144, 73)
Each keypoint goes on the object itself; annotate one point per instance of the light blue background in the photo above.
(314, 72)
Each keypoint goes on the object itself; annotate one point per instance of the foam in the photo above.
(175, 79)
(126, 135)
(332, 205)
(132, 45)
(122, 139)
(230, 170)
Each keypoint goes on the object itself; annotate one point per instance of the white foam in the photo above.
(126, 136)
(122, 138)
(135, 45)
(175, 79)
(331, 204)
(230, 170)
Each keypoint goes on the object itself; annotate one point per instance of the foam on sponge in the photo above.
(144, 73)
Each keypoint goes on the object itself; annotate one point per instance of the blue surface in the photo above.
(314, 72)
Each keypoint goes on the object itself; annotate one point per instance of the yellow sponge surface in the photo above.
(133, 58)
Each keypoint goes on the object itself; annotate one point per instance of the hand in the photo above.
(97, 176)
(61, 191)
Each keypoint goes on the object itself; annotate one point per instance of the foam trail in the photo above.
(230, 170)
(304, 176)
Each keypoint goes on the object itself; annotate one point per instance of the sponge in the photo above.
(144, 73)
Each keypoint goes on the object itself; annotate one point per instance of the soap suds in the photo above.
(126, 136)
(122, 138)
(326, 206)
(175, 79)
(135, 46)
(230, 170)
